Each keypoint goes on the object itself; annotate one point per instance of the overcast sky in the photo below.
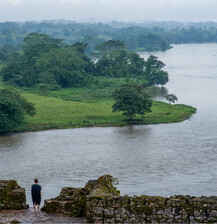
(108, 10)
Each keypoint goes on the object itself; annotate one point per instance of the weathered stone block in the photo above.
(102, 204)
(77, 197)
(12, 196)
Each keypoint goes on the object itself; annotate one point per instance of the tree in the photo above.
(3, 57)
(35, 44)
(109, 45)
(120, 63)
(80, 47)
(13, 108)
(146, 42)
(171, 98)
(131, 99)
(154, 71)
(45, 61)
(64, 66)
(8, 48)
(44, 88)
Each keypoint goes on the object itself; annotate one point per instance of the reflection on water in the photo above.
(164, 159)
(10, 142)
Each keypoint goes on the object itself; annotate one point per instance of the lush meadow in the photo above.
(53, 113)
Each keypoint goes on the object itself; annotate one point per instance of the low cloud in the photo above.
(108, 10)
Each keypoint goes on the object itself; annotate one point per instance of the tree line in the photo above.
(55, 64)
(138, 37)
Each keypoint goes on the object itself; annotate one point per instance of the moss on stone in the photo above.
(12, 196)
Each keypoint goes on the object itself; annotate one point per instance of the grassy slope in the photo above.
(57, 113)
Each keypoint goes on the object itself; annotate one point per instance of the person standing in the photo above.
(36, 194)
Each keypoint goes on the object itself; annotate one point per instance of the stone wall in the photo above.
(148, 209)
(101, 202)
(72, 201)
(12, 196)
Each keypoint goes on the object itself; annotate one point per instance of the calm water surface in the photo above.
(164, 159)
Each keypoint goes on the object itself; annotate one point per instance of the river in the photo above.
(163, 159)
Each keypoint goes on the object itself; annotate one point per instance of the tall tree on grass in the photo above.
(171, 98)
(13, 108)
(131, 99)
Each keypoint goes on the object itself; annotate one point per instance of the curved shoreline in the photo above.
(162, 113)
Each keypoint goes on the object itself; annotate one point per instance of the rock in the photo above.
(12, 196)
(76, 197)
(90, 185)
(100, 191)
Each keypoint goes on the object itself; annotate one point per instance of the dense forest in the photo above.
(55, 54)
(50, 63)
(138, 37)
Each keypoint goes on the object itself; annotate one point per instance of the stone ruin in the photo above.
(12, 196)
(100, 202)
(72, 201)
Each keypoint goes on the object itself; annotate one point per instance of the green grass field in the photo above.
(54, 113)
(86, 107)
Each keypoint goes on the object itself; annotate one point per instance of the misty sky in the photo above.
(108, 10)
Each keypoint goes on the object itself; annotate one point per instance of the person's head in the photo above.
(36, 180)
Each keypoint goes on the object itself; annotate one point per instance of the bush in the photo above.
(13, 108)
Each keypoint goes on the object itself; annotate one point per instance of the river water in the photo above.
(164, 159)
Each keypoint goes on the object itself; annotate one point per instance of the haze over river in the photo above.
(164, 159)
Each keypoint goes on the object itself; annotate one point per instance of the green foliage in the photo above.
(132, 100)
(92, 41)
(136, 38)
(150, 36)
(16, 72)
(45, 61)
(5, 52)
(171, 98)
(154, 73)
(120, 64)
(44, 88)
(3, 57)
(20, 68)
(35, 44)
(65, 67)
(80, 47)
(13, 108)
(147, 42)
(8, 48)
(109, 45)
(126, 64)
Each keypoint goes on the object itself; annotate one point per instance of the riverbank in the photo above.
(56, 113)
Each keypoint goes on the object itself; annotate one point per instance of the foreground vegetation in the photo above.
(53, 113)
(13, 108)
